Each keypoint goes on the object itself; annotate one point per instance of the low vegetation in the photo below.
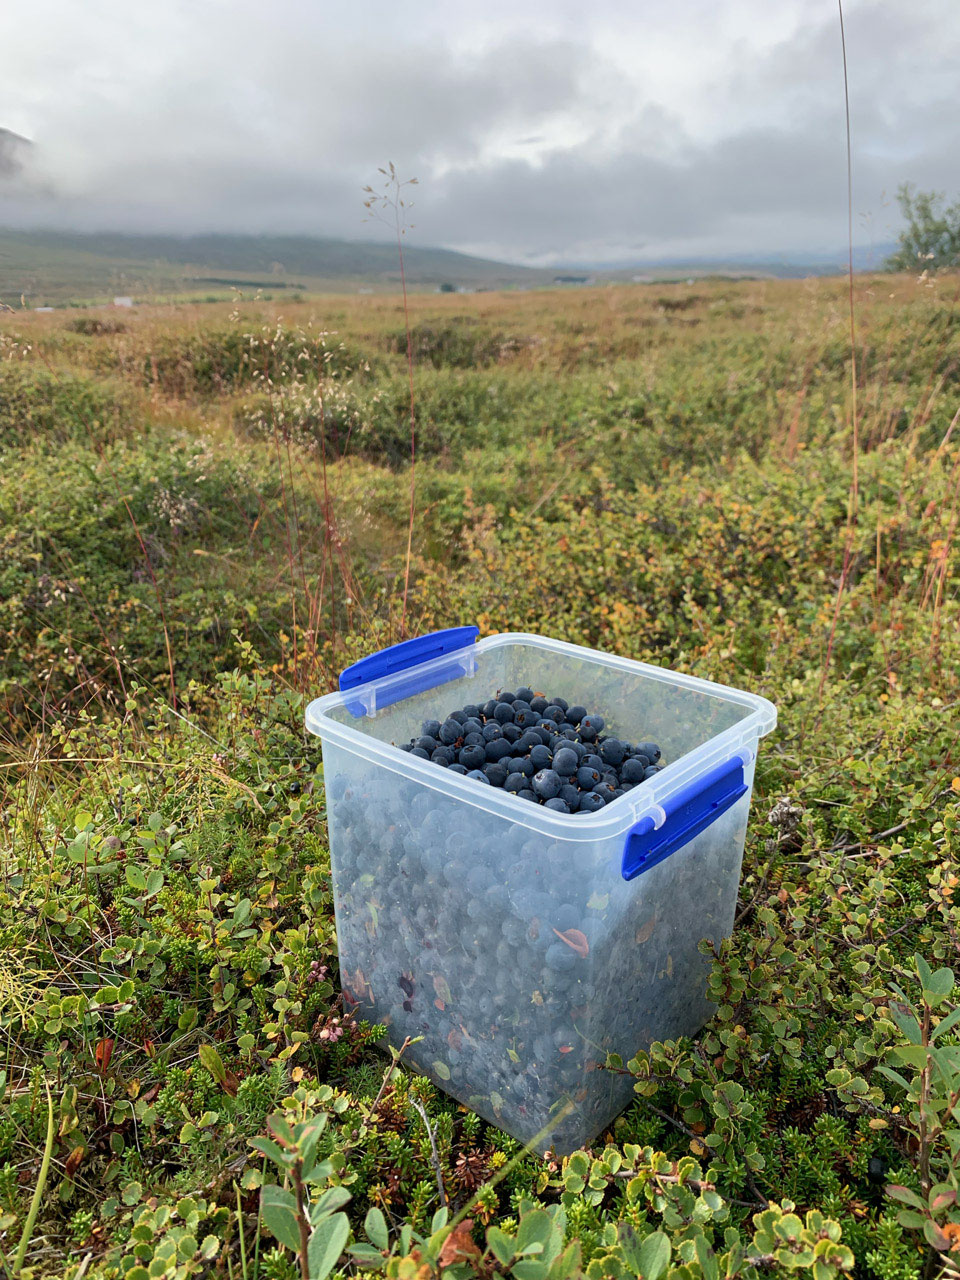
(204, 517)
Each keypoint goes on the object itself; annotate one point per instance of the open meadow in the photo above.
(205, 514)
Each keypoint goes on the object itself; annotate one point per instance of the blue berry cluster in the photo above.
(517, 960)
(542, 749)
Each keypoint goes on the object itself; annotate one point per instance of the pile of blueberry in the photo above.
(511, 960)
(542, 749)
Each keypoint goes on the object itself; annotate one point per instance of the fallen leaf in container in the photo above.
(406, 985)
(645, 930)
(576, 941)
(459, 1246)
(438, 1004)
(441, 987)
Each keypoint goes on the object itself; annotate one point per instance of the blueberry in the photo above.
(419, 753)
(632, 771)
(560, 957)
(489, 708)
(593, 722)
(651, 771)
(430, 728)
(554, 712)
(605, 791)
(479, 776)
(587, 733)
(507, 697)
(472, 725)
(539, 703)
(459, 716)
(556, 803)
(525, 716)
(492, 731)
(575, 714)
(406, 746)
(497, 773)
(427, 743)
(525, 694)
(503, 713)
(474, 740)
(443, 756)
(524, 765)
(515, 782)
(473, 757)
(612, 751)
(472, 711)
(570, 796)
(546, 783)
(512, 732)
(450, 731)
(457, 768)
(541, 757)
(527, 795)
(561, 703)
(587, 778)
(565, 762)
(650, 750)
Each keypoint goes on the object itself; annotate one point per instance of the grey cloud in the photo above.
(275, 123)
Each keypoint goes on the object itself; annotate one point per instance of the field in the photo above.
(205, 515)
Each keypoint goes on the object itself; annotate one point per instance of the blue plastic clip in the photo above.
(409, 653)
(688, 813)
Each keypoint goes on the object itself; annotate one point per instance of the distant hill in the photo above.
(56, 267)
(48, 268)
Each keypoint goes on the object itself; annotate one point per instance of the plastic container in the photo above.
(449, 893)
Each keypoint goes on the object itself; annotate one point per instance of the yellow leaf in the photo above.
(955, 784)
(697, 1147)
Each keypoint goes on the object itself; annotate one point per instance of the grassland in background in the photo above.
(204, 514)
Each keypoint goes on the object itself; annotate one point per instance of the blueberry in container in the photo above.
(518, 944)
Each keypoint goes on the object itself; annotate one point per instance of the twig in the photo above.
(434, 1157)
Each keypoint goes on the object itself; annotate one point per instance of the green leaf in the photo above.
(132, 1193)
(154, 882)
(326, 1245)
(897, 1192)
(501, 1245)
(940, 984)
(535, 1228)
(946, 1024)
(707, 1258)
(333, 1198)
(375, 1226)
(135, 877)
(907, 1022)
(530, 1269)
(278, 1209)
(270, 1149)
(366, 1254)
(155, 822)
(212, 1061)
(654, 1255)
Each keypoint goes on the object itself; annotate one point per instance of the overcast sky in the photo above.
(539, 130)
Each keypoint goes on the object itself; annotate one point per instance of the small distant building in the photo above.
(123, 302)
(572, 279)
(43, 308)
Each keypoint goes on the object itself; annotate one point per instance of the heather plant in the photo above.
(663, 473)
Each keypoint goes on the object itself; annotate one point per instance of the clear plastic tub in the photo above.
(448, 893)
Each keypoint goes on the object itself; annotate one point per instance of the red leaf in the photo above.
(72, 1162)
(576, 941)
(103, 1053)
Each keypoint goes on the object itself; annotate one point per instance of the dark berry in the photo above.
(479, 776)
(612, 751)
(430, 728)
(565, 762)
(557, 804)
(450, 731)
(650, 750)
(507, 697)
(546, 783)
(591, 801)
(541, 757)
(525, 694)
(632, 771)
(504, 713)
(587, 778)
